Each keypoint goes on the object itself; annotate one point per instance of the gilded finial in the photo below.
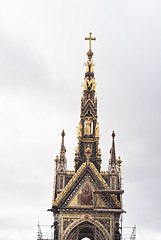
(90, 38)
(119, 168)
(119, 161)
(56, 162)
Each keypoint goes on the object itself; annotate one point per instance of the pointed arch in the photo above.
(86, 227)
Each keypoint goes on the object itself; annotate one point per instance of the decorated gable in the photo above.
(84, 192)
(82, 188)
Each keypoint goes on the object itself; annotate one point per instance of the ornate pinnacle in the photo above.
(119, 162)
(119, 168)
(113, 155)
(63, 150)
(90, 53)
(56, 162)
(63, 134)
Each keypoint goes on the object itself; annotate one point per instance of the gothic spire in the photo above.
(62, 150)
(62, 159)
(112, 151)
(88, 129)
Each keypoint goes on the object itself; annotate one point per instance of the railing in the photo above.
(45, 232)
(129, 233)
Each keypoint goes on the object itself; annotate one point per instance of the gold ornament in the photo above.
(93, 83)
(76, 150)
(88, 126)
(97, 130)
(80, 129)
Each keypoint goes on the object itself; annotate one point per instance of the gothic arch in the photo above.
(86, 227)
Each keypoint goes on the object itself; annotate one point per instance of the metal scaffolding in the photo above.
(45, 232)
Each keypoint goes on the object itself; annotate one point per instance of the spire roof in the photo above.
(62, 150)
(113, 153)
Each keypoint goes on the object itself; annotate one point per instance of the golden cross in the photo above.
(90, 38)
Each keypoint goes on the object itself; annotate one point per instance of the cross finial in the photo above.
(90, 38)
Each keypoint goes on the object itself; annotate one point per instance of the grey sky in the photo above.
(42, 51)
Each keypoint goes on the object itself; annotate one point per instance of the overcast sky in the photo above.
(42, 51)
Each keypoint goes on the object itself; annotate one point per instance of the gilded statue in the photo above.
(80, 129)
(76, 150)
(88, 126)
(97, 130)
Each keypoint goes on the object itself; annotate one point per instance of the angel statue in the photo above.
(79, 129)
